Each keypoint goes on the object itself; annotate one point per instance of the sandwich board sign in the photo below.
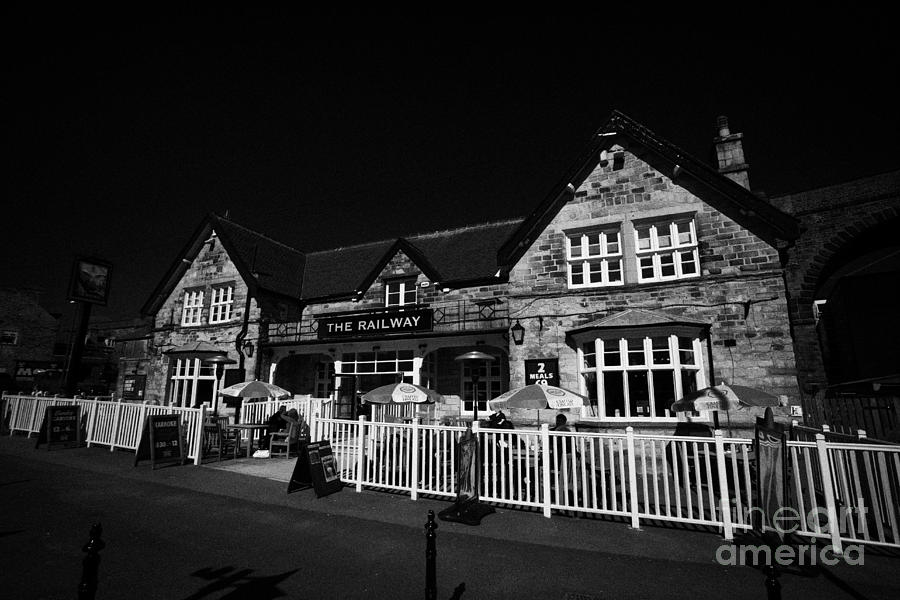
(161, 441)
(316, 467)
(61, 427)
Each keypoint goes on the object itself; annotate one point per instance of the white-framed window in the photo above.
(489, 384)
(594, 258)
(399, 292)
(381, 361)
(220, 304)
(193, 383)
(9, 337)
(324, 383)
(666, 250)
(193, 307)
(634, 376)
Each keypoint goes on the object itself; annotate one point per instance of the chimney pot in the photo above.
(722, 124)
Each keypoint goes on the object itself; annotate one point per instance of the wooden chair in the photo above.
(287, 440)
(217, 439)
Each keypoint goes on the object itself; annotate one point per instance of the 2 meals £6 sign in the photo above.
(544, 371)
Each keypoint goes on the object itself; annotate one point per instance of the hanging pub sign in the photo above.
(61, 427)
(375, 323)
(316, 467)
(544, 371)
(90, 281)
(161, 441)
(133, 387)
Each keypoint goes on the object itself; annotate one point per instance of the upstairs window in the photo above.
(400, 292)
(9, 337)
(666, 250)
(594, 258)
(221, 303)
(193, 307)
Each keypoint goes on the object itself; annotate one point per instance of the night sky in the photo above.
(124, 130)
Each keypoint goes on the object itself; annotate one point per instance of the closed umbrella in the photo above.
(255, 389)
(401, 393)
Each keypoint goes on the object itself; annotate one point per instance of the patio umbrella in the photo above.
(255, 389)
(538, 396)
(724, 397)
(401, 393)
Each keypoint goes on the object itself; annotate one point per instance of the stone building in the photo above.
(647, 274)
(27, 336)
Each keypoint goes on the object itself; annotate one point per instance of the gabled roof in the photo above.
(464, 256)
(263, 263)
(717, 190)
(635, 317)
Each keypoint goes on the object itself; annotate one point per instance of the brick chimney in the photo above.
(730, 153)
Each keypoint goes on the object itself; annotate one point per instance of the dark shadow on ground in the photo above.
(240, 584)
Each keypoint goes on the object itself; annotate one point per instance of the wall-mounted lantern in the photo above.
(518, 333)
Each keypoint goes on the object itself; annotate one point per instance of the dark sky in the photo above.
(126, 129)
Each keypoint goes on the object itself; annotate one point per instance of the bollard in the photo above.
(88, 586)
(773, 588)
(430, 555)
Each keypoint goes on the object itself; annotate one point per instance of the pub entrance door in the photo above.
(350, 389)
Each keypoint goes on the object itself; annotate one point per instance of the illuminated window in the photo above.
(594, 258)
(400, 292)
(666, 250)
(221, 303)
(193, 307)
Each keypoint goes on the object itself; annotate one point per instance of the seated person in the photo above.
(275, 423)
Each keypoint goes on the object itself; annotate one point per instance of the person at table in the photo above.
(563, 445)
(275, 423)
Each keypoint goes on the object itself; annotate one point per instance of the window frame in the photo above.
(186, 374)
(223, 304)
(192, 307)
(584, 260)
(675, 249)
(15, 337)
(600, 370)
(406, 285)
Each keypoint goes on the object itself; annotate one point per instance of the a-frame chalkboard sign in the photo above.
(161, 441)
(316, 467)
(61, 427)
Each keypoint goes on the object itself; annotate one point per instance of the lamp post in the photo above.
(474, 356)
(218, 362)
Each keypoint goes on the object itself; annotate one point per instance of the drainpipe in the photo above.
(239, 340)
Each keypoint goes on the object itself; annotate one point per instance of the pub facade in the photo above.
(645, 275)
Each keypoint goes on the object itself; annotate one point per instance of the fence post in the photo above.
(34, 413)
(199, 420)
(430, 558)
(724, 492)
(360, 453)
(831, 508)
(116, 427)
(632, 478)
(414, 459)
(545, 468)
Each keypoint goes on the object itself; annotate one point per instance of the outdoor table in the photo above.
(250, 428)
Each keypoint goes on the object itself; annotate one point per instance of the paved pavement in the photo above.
(230, 530)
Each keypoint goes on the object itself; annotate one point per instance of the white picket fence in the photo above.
(841, 492)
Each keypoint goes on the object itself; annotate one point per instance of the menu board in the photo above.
(316, 467)
(61, 427)
(161, 441)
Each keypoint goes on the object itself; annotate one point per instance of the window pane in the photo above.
(661, 351)
(667, 265)
(688, 264)
(590, 386)
(688, 381)
(684, 233)
(638, 394)
(643, 235)
(663, 392)
(636, 351)
(596, 272)
(612, 242)
(663, 236)
(577, 274)
(646, 265)
(611, 355)
(405, 365)
(615, 270)
(686, 351)
(593, 240)
(575, 246)
(590, 355)
(613, 394)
